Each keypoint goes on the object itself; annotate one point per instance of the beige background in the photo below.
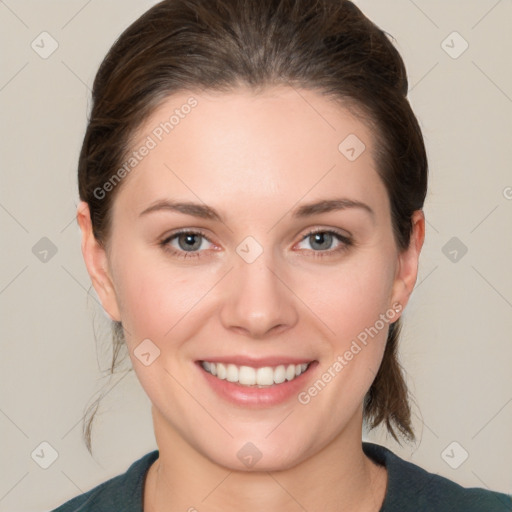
(456, 348)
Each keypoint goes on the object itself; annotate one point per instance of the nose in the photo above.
(259, 303)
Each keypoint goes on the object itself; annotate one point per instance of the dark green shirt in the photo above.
(410, 488)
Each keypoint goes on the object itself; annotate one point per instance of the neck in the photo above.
(340, 478)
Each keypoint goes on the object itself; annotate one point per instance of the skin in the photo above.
(255, 158)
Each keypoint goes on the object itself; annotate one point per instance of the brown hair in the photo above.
(218, 45)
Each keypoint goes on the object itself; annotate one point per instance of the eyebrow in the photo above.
(207, 212)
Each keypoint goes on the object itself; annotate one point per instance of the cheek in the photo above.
(355, 305)
(157, 300)
(354, 301)
(351, 298)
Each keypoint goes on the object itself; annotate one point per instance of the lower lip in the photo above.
(258, 397)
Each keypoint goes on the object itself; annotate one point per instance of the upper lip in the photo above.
(257, 362)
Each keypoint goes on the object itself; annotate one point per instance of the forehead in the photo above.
(246, 148)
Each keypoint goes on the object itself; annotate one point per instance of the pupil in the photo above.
(189, 240)
(322, 239)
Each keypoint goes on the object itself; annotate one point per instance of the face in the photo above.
(249, 276)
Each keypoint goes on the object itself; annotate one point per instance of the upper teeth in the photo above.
(248, 376)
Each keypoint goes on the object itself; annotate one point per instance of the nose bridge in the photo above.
(259, 300)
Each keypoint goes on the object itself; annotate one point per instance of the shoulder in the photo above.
(122, 493)
(413, 488)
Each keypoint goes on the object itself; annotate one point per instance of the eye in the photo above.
(188, 243)
(322, 240)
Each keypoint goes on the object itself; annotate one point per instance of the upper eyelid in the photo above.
(172, 236)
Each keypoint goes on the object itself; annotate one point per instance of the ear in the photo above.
(96, 261)
(407, 269)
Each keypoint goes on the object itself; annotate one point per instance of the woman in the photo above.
(252, 182)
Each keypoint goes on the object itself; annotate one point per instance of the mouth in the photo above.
(255, 377)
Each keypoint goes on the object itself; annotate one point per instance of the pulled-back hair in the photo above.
(328, 46)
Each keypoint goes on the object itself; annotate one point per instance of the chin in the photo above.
(242, 454)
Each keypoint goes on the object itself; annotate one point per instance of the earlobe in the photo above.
(408, 260)
(96, 261)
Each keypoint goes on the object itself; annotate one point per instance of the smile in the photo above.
(259, 377)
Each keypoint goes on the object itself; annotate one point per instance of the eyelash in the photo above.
(346, 242)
